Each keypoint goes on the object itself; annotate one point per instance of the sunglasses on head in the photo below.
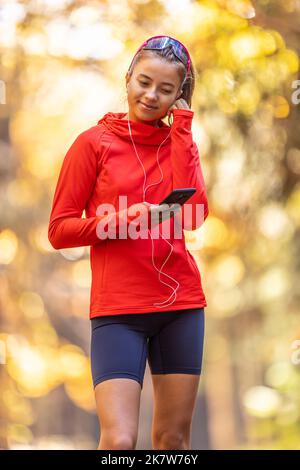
(161, 42)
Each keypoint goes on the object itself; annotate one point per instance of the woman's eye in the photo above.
(164, 91)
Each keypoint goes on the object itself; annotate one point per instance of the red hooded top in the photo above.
(101, 165)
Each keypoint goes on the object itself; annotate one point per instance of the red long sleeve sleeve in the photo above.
(77, 178)
(186, 169)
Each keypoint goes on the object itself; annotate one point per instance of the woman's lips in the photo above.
(147, 108)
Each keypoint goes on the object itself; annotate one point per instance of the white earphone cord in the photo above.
(144, 200)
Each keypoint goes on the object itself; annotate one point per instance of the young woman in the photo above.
(146, 297)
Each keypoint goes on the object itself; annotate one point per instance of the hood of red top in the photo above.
(145, 134)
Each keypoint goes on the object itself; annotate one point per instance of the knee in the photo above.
(123, 443)
(118, 442)
(171, 440)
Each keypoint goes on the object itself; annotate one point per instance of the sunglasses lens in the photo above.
(161, 43)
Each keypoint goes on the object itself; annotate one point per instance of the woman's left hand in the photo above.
(181, 104)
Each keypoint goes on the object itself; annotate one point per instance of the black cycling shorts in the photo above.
(172, 342)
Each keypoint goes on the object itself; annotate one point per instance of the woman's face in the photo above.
(155, 83)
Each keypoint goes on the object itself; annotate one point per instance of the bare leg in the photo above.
(118, 405)
(174, 402)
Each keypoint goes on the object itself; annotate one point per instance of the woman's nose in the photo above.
(151, 94)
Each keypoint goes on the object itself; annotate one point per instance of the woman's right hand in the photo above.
(162, 212)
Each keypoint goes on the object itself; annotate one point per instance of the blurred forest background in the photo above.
(63, 66)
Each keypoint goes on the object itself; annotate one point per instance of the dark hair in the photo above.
(168, 55)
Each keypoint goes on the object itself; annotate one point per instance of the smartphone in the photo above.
(178, 196)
